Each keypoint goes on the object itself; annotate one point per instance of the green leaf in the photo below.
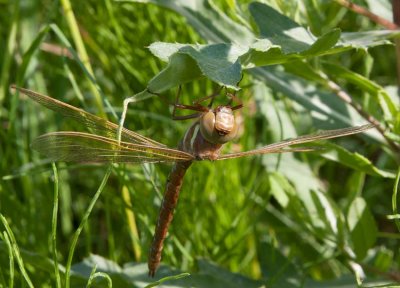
(282, 41)
(218, 62)
(135, 275)
(383, 258)
(290, 36)
(210, 22)
(327, 212)
(180, 69)
(277, 267)
(353, 160)
(280, 30)
(366, 39)
(280, 186)
(362, 227)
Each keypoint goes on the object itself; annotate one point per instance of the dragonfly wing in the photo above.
(281, 147)
(90, 148)
(98, 125)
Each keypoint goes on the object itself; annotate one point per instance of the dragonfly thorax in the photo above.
(218, 126)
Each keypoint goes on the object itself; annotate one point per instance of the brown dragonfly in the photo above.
(202, 141)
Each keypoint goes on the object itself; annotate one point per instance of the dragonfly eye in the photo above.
(218, 126)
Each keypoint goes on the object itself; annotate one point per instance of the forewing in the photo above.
(281, 147)
(89, 148)
(97, 125)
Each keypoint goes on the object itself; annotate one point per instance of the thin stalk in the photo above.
(11, 43)
(54, 227)
(11, 259)
(81, 225)
(394, 199)
(347, 98)
(76, 35)
(365, 12)
(80, 47)
(130, 216)
(396, 19)
(16, 252)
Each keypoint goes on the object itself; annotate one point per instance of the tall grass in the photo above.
(230, 212)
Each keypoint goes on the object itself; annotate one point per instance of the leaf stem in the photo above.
(342, 94)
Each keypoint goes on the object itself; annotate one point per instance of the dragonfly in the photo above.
(212, 128)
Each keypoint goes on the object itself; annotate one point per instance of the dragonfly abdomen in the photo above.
(166, 214)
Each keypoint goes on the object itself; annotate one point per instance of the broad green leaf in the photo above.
(135, 275)
(362, 227)
(181, 69)
(277, 267)
(227, 279)
(353, 160)
(348, 281)
(210, 22)
(282, 41)
(281, 30)
(366, 39)
(219, 62)
(290, 36)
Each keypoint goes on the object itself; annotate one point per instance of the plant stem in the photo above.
(54, 227)
(83, 222)
(11, 43)
(347, 98)
(130, 216)
(394, 199)
(16, 252)
(80, 47)
(396, 19)
(76, 35)
(365, 12)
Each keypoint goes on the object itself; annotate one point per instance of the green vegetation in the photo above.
(320, 219)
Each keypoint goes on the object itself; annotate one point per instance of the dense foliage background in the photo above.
(324, 219)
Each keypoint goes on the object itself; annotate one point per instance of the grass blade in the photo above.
(54, 227)
(81, 225)
(15, 251)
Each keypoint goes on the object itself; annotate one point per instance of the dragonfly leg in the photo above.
(211, 96)
(194, 107)
(233, 97)
(162, 97)
(177, 105)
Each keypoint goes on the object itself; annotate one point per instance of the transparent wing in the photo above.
(98, 125)
(90, 148)
(281, 147)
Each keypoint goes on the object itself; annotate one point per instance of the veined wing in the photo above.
(99, 125)
(281, 147)
(90, 148)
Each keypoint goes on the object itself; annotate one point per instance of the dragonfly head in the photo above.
(218, 125)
